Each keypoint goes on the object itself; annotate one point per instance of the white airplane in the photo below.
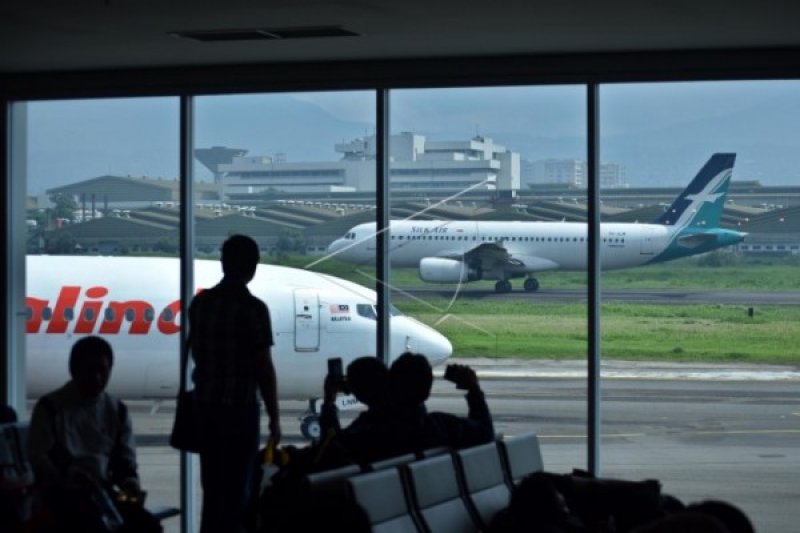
(133, 302)
(464, 251)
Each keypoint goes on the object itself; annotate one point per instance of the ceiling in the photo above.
(70, 35)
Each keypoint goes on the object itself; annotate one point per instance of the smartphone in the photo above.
(336, 371)
(451, 373)
(335, 368)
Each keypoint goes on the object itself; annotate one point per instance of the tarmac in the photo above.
(490, 368)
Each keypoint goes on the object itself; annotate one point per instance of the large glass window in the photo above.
(101, 231)
(700, 326)
(290, 170)
(488, 192)
(699, 247)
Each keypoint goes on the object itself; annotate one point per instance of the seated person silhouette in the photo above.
(411, 380)
(368, 437)
(398, 423)
(367, 379)
(81, 447)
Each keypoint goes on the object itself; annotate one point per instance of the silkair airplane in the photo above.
(133, 303)
(463, 251)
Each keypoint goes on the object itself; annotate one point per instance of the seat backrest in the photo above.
(392, 462)
(433, 452)
(522, 456)
(436, 495)
(15, 468)
(16, 477)
(484, 480)
(331, 481)
(382, 495)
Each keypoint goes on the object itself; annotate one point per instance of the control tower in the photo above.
(215, 156)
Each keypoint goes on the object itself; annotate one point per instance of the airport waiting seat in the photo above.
(392, 462)
(433, 452)
(436, 495)
(521, 456)
(16, 476)
(484, 480)
(331, 481)
(383, 496)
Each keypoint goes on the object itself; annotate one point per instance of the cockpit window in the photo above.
(368, 311)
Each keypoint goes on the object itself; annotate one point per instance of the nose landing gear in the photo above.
(309, 422)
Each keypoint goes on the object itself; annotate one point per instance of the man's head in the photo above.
(368, 380)
(411, 378)
(90, 362)
(240, 258)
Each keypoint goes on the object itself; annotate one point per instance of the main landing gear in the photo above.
(504, 286)
(531, 285)
(309, 422)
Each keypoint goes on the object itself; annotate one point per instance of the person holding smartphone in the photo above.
(368, 437)
(411, 379)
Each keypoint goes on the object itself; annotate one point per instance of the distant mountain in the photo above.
(70, 141)
(271, 124)
(662, 133)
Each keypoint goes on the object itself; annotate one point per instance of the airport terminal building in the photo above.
(417, 164)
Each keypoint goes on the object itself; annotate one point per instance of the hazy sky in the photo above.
(662, 133)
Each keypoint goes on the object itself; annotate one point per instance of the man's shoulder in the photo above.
(59, 396)
(205, 294)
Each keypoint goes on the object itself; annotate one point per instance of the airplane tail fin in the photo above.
(701, 203)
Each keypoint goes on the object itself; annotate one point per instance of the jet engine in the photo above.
(440, 270)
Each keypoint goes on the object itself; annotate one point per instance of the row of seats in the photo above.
(443, 491)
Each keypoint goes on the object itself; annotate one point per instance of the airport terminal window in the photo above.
(79, 155)
(710, 138)
(501, 128)
(647, 432)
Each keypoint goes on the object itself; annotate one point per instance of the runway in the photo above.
(705, 431)
(649, 296)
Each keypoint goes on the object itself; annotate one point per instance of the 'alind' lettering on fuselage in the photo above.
(65, 313)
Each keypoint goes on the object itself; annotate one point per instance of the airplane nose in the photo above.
(435, 347)
(335, 246)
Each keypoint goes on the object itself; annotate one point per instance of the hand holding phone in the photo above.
(463, 376)
(335, 378)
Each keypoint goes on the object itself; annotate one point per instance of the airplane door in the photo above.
(306, 320)
(648, 246)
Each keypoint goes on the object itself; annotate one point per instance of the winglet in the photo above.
(701, 203)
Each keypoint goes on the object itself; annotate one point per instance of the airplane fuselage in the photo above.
(134, 304)
(544, 245)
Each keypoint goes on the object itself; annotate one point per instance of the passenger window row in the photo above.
(498, 239)
(148, 314)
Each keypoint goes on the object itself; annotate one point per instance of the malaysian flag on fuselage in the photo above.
(337, 309)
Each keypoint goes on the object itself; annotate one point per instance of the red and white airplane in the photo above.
(133, 302)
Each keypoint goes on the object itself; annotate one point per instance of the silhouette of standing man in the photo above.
(231, 340)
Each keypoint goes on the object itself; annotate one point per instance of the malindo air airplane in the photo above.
(464, 251)
(133, 303)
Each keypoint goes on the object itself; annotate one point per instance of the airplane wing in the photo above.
(490, 256)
